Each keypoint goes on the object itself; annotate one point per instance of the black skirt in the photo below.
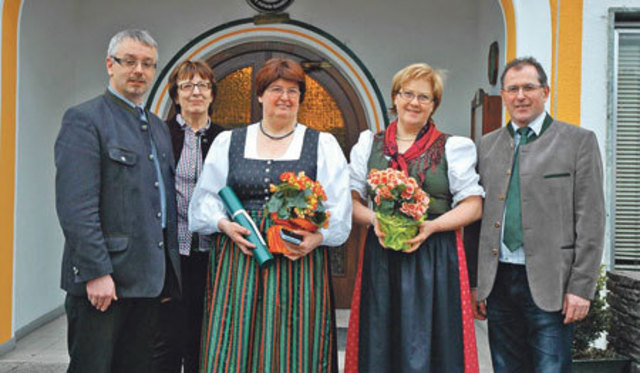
(410, 309)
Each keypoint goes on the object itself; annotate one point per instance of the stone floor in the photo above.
(45, 349)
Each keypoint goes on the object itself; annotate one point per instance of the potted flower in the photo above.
(297, 203)
(400, 206)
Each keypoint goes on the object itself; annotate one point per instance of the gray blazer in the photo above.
(562, 211)
(108, 201)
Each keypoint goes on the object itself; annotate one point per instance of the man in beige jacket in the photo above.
(542, 229)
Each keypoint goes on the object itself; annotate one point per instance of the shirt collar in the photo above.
(125, 100)
(535, 125)
(185, 126)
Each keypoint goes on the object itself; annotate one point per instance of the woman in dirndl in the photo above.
(411, 311)
(281, 317)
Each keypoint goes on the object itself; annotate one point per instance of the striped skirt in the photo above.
(277, 319)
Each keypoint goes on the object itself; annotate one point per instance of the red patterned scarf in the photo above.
(426, 137)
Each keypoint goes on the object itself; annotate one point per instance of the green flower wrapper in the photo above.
(261, 254)
(398, 230)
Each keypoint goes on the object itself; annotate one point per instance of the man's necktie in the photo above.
(513, 215)
(141, 114)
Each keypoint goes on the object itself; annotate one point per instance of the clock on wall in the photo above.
(270, 6)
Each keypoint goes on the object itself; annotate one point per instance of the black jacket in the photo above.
(177, 138)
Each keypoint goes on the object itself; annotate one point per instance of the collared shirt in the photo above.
(517, 256)
(154, 153)
(188, 170)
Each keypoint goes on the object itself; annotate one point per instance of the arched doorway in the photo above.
(331, 105)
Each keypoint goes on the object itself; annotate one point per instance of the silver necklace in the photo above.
(272, 137)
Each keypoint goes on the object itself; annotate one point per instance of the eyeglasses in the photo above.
(279, 91)
(191, 86)
(131, 63)
(409, 96)
(527, 89)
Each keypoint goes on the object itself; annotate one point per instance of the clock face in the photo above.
(270, 6)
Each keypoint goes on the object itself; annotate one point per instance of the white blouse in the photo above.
(206, 208)
(461, 161)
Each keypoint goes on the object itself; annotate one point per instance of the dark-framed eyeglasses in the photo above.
(132, 63)
(191, 86)
(527, 89)
(409, 96)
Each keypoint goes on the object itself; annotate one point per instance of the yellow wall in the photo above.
(510, 22)
(10, 16)
(566, 77)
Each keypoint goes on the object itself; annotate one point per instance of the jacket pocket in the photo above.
(117, 243)
(551, 176)
(123, 156)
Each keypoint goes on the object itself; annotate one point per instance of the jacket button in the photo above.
(75, 270)
(160, 245)
(156, 184)
(269, 162)
(266, 180)
(509, 172)
(497, 224)
(159, 215)
(494, 252)
(151, 157)
(144, 127)
(502, 197)
(267, 169)
(205, 140)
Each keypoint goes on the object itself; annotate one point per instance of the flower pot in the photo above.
(609, 365)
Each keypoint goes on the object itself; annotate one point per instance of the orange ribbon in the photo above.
(275, 242)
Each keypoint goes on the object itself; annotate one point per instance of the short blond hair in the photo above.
(418, 71)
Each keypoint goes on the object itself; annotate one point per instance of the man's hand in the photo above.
(574, 308)
(101, 291)
(479, 308)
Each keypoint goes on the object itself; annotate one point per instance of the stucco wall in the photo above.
(45, 87)
(62, 49)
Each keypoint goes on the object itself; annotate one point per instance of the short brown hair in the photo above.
(280, 68)
(518, 64)
(187, 69)
(418, 71)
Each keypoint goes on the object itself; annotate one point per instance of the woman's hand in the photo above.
(426, 229)
(377, 229)
(237, 233)
(309, 242)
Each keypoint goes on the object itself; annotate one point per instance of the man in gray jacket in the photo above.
(115, 200)
(542, 228)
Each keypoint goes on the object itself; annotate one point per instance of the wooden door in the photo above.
(330, 105)
(486, 114)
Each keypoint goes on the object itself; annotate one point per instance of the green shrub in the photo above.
(596, 322)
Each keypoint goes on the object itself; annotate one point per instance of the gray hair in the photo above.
(141, 36)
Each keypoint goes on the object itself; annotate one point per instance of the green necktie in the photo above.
(513, 216)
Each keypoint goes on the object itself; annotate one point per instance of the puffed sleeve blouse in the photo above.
(206, 208)
(461, 160)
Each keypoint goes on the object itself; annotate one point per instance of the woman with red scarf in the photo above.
(411, 310)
